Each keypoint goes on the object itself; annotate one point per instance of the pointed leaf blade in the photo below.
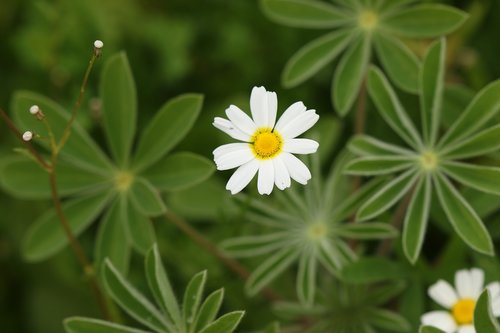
(208, 310)
(482, 143)
(483, 178)
(369, 230)
(365, 145)
(140, 230)
(306, 278)
(146, 198)
(378, 165)
(484, 320)
(192, 297)
(88, 325)
(225, 324)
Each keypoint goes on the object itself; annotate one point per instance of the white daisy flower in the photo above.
(267, 145)
(460, 302)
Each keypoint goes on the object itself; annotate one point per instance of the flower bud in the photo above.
(27, 136)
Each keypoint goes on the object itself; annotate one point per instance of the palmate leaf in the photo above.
(484, 320)
(87, 325)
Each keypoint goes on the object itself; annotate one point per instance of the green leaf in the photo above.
(274, 327)
(160, 286)
(168, 127)
(112, 241)
(390, 108)
(270, 269)
(387, 320)
(382, 294)
(372, 270)
(249, 246)
(131, 300)
(88, 325)
(315, 55)
(208, 310)
(400, 63)
(378, 165)
(303, 13)
(306, 278)
(483, 178)
(46, 236)
(416, 219)
(330, 257)
(431, 90)
(483, 107)
(146, 198)
(349, 74)
(430, 329)
(139, 227)
(225, 324)
(482, 143)
(387, 196)
(179, 171)
(119, 106)
(370, 230)
(80, 149)
(424, 21)
(462, 217)
(192, 297)
(365, 145)
(484, 320)
(25, 179)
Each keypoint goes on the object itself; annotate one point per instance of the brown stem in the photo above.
(205, 243)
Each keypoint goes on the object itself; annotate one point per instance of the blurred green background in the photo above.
(220, 48)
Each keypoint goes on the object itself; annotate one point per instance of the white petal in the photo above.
(281, 175)
(242, 176)
(297, 169)
(443, 294)
(300, 146)
(494, 289)
(469, 283)
(466, 329)
(299, 124)
(230, 129)
(263, 105)
(291, 113)
(241, 120)
(440, 319)
(230, 147)
(234, 159)
(265, 183)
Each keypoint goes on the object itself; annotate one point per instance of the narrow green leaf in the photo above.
(208, 310)
(140, 230)
(378, 165)
(270, 269)
(424, 21)
(225, 324)
(372, 270)
(483, 107)
(462, 217)
(168, 127)
(365, 145)
(483, 178)
(401, 64)
(160, 286)
(304, 13)
(430, 329)
(390, 108)
(306, 278)
(431, 90)
(350, 73)
(482, 143)
(45, 237)
(387, 320)
(416, 219)
(25, 179)
(192, 297)
(249, 246)
(330, 258)
(146, 198)
(119, 106)
(112, 241)
(312, 57)
(369, 230)
(387, 196)
(484, 320)
(179, 171)
(80, 149)
(88, 325)
(131, 300)
(382, 294)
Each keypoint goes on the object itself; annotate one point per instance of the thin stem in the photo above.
(211, 248)
(359, 124)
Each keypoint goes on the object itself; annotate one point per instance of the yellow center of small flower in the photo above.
(123, 180)
(429, 160)
(463, 311)
(266, 143)
(368, 20)
(317, 230)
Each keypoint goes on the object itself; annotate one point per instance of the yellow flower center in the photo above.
(463, 311)
(123, 180)
(317, 230)
(266, 143)
(429, 160)
(368, 20)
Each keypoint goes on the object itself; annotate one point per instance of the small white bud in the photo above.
(34, 109)
(27, 136)
(98, 44)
